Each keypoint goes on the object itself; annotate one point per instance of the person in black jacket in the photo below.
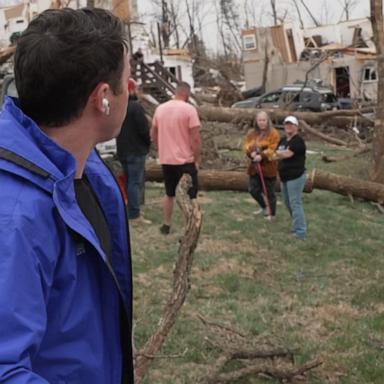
(132, 147)
(291, 154)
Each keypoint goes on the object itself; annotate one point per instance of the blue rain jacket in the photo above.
(65, 309)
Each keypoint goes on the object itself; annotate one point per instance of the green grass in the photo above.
(323, 296)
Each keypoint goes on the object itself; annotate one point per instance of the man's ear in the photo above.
(100, 98)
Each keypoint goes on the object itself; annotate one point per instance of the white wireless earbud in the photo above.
(106, 108)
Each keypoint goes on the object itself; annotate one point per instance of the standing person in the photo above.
(132, 148)
(65, 264)
(176, 133)
(291, 152)
(260, 145)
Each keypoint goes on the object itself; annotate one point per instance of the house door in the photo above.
(342, 82)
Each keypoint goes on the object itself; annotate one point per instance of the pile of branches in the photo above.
(241, 357)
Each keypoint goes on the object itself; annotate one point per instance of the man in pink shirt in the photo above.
(176, 133)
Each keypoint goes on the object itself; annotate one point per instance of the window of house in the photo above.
(369, 74)
(249, 42)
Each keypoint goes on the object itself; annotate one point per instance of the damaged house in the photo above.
(342, 56)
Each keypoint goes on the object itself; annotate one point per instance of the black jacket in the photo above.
(134, 137)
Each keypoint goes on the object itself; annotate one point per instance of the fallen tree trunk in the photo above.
(340, 118)
(348, 186)
(217, 180)
(209, 180)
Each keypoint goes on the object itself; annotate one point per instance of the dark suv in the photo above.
(300, 99)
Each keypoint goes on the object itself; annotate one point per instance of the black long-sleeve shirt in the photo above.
(134, 137)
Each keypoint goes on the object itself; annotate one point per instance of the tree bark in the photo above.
(378, 134)
(181, 283)
(216, 180)
(274, 12)
(341, 119)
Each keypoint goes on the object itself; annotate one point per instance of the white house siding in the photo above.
(342, 33)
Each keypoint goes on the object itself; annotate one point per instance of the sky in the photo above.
(325, 11)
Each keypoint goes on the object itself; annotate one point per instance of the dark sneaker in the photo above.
(164, 229)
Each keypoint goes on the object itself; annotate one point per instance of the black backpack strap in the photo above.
(12, 157)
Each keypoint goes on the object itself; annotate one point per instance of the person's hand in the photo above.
(256, 157)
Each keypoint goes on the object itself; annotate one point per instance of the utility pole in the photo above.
(160, 44)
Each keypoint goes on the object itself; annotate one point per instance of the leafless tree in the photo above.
(298, 13)
(195, 11)
(274, 13)
(348, 6)
(316, 22)
(165, 26)
(230, 19)
(221, 29)
(325, 13)
(252, 13)
(175, 21)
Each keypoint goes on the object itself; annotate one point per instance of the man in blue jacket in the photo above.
(65, 268)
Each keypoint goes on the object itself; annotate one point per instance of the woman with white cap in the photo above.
(291, 154)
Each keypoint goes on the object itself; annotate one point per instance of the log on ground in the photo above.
(341, 119)
(214, 179)
(219, 180)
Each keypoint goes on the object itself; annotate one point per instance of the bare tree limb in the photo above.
(315, 132)
(181, 275)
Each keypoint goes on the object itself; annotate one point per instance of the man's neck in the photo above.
(179, 98)
(73, 138)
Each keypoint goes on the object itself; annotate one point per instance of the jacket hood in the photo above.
(21, 136)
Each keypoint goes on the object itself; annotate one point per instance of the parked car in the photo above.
(247, 103)
(300, 99)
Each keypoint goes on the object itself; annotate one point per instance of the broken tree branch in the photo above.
(181, 276)
(315, 132)
(267, 369)
(340, 118)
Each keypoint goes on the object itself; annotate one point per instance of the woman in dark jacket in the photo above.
(291, 154)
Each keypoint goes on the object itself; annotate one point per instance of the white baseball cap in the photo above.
(292, 120)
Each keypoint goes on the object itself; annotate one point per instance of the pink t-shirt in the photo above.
(174, 119)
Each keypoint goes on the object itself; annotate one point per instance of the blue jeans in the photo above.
(292, 191)
(134, 166)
